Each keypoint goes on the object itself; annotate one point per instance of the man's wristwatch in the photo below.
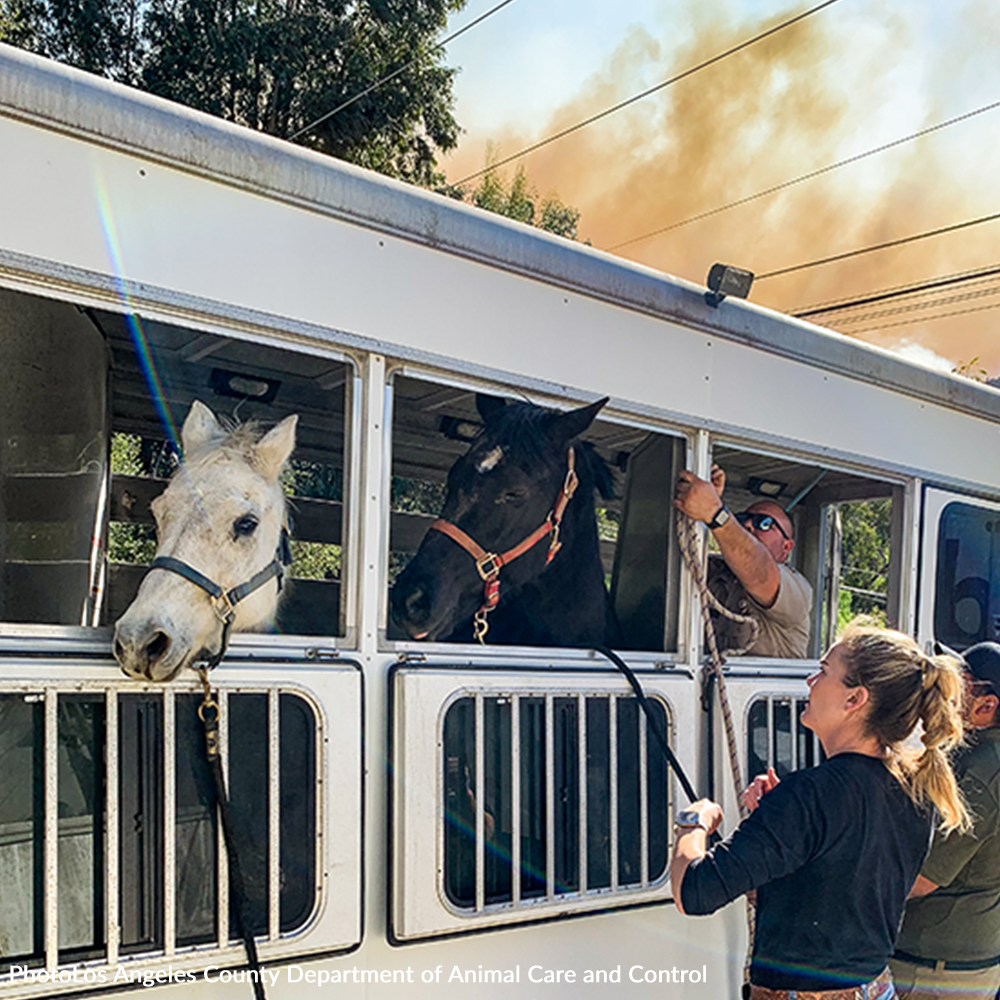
(688, 819)
(722, 515)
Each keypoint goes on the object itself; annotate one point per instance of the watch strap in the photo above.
(722, 515)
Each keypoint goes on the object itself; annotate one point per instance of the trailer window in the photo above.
(123, 763)
(967, 588)
(848, 534)
(91, 403)
(433, 426)
(550, 797)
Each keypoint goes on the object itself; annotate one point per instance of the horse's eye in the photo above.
(512, 496)
(244, 527)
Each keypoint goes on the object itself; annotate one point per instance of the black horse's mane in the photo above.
(524, 428)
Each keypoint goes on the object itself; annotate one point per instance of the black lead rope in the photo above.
(208, 712)
(224, 604)
(654, 723)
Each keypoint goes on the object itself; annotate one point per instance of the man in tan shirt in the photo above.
(755, 545)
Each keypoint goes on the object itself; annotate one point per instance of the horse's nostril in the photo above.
(417, 603)
(119, 651)
(157, 647)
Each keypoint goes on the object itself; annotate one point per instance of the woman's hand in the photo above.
(710, 813)
(689, 844)
(760, 786)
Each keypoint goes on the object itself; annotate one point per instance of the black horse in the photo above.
(502, 493)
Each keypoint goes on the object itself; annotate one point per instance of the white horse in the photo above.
(220, 524)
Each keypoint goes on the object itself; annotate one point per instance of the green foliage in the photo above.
(416, 496)
(100, 36)
(864, 576)
(312, 479)
(126, 455)
(131, 543)
(272, 65)
(315, 561)
(607, 524)
(972, 370)
(559, 218)
(519, 200)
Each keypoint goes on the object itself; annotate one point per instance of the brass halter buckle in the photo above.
(224, 608)
(489, 566)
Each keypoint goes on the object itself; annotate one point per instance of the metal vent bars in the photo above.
(108, 841)
(551, 796)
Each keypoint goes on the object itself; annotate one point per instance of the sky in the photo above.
(853, 76)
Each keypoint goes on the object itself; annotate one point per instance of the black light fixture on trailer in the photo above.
(766, 487)
(457, 429)
(241, 386)
(723, 280)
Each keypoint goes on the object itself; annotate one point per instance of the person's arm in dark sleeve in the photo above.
(776, 839)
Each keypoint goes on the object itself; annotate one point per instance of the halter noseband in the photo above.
(489, 564)
(224, 601)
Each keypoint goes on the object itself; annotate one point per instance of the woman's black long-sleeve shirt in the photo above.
(833, 852)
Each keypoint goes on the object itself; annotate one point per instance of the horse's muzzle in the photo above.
(146, 652)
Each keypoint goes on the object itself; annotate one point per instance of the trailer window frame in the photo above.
(676, 591)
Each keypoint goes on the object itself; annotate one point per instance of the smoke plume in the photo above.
(824, 89)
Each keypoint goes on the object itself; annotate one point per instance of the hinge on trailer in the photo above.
(411, 657)
(316, 653)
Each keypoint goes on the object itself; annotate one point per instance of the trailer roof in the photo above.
(68, 100)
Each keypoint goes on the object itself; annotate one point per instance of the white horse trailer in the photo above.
(424, 817)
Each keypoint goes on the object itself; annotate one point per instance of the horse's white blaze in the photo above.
(225, 478)
(490, 461)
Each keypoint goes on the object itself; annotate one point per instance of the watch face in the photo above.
(722, 515)
(688, 817)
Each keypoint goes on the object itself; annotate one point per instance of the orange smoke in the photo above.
(785, 106)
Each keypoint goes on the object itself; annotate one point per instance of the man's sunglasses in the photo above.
(762, 522)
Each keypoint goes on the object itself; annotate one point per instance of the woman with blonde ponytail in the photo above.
(888, 665)
(834, 850)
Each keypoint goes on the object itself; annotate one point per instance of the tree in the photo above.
(866, 527)
(100, 36)
(519, 200)
(272, 65)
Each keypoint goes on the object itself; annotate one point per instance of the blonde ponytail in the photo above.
(906, 686)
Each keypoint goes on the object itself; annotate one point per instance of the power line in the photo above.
(944, 300)
(892, 288)
(805, 177)
(395, 73)
(897, 291)
(927, 319)
(880, 246)
(652, 90)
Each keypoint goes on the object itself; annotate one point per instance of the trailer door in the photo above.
(959, 596)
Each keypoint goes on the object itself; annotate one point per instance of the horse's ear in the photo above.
(489, 406)
(566, 426)
(273, 449)
(200, 428)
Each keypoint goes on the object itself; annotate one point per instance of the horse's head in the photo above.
(222, 515)
(498, 494)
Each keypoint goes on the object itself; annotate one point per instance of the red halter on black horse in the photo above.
(511, 491)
